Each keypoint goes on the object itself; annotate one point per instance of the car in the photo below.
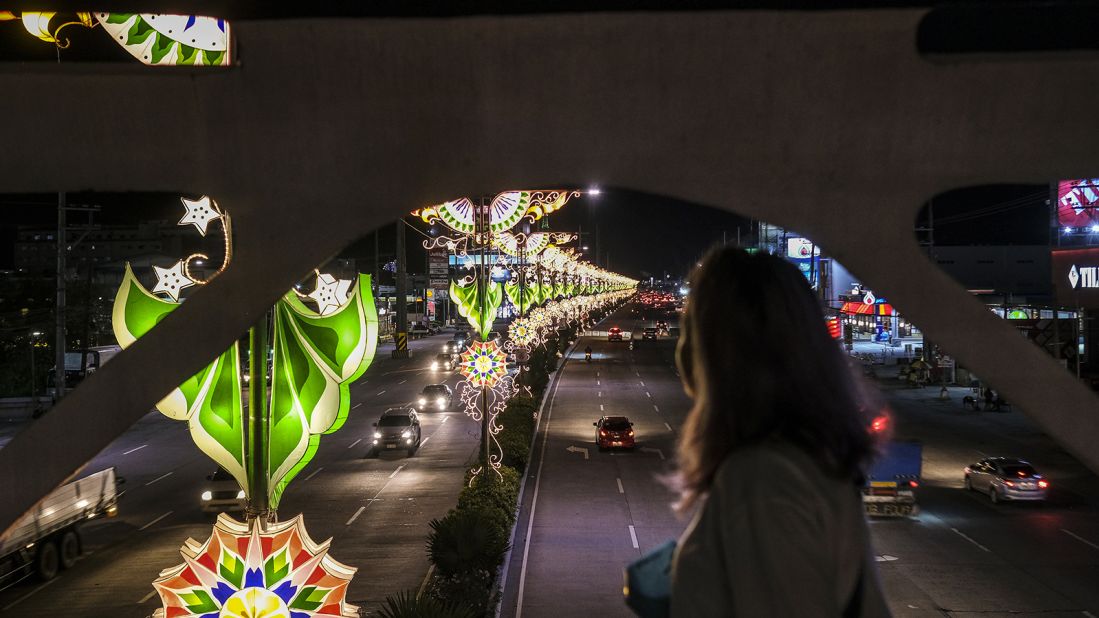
(222, 493)
(436, 396)
(614, 334)
(662, 325)
(1006, 478)
(614, 431)
(397, 428)
(649, 333)
(452, 347)
(443, 362)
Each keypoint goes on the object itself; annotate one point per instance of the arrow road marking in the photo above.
(653, 450)
(576, 449)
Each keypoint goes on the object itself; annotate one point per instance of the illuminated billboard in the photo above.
(1077, 201)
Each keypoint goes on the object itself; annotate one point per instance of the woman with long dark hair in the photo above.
(772, 452)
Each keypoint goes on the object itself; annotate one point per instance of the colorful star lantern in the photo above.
(246, 572)
(171, 280)
(329, 293)
(154, 39)
(200, 213)
(483, 364)
(521, 332)
(315, 358)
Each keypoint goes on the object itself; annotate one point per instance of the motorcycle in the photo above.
(587, 356)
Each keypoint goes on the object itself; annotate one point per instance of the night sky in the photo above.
(639, 234)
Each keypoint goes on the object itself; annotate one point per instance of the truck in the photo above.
(80, 364)
(891, 484)
(47, 539)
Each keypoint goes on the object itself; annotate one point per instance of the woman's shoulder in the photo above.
(772, 467)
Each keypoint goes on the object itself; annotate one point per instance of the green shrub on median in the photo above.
(407, 605)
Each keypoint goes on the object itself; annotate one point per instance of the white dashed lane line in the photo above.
(633, 537)
(133, 450)
(620, 489)
(668, 426)
(356, 405)
(154, 521)
(396, 471)
(352, 445)
(970, 539)
(314, 473)
(162, 476)
(1080, 538)
(355, 516)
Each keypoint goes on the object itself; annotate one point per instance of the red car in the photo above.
(614, 432)
(614, 334)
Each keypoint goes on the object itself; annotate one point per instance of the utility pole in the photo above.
(257, 430)
(481, 233)
(400, 337)
(59, 313)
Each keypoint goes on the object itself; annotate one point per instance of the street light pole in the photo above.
(257, 429)
(59, 314)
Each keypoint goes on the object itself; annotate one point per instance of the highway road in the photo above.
(587, 514)
(376, 509)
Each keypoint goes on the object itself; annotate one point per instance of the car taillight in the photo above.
(631, 433)
(1043, 484)
(1009, 483)
(603, 432)
(913, 484)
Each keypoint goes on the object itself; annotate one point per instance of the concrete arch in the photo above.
(828, 122)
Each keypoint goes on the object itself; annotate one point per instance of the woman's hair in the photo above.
(755, 355)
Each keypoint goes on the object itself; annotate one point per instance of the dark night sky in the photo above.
(641, 234)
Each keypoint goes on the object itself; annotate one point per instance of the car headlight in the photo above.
(240, 495)
(406, 434)
(434, 364)
(441, 400)
(423, 401)
(207, 495)
(377, 434)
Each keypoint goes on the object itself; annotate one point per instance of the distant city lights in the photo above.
(1068, 229)
(1095, 229)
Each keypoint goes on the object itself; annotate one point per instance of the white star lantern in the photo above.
(330, 293)
(171, 280)
(200, 213)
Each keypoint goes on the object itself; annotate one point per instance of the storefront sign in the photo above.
(1076, 277)
(801, 248)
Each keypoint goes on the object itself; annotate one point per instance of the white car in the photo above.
(435, 396)
(222, 493)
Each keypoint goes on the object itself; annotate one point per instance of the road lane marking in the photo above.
(356, 515)
(642, 383)
(655, 407)
(600, 393)
(599, 383)
(402, 381)
(633, 537)
(534, 503)
(637, 374)
(668, 426)
(620, 489)
(653, 450)
(133, 450)
(352, 445)
(600, 407)
(427, 578)
(396, 471)
(968, 538)
(154, 521)
(577, 449)
(1088, 614)
(1080, 538)
(381, 392)
(597, 374)
(163, 476)
(648, 394)
(445, 419)
(424, 441)
(314, 473)
(25, 596)
(356, 405)
(147, 597)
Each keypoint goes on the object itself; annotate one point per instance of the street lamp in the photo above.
(34, 390)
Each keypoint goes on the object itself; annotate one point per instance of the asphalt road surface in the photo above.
(376, 509)
(587, 514)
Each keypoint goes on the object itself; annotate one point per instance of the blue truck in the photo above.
(891, 485)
